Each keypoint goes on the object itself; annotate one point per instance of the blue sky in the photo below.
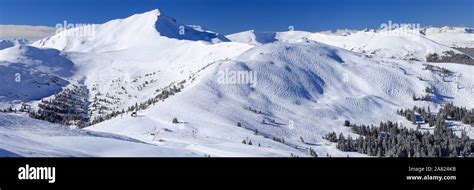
(229, 16)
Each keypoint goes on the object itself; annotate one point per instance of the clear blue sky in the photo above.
(228, 16)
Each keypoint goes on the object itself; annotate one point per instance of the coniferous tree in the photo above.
(175, 121)
(312, 153)
(392, 140)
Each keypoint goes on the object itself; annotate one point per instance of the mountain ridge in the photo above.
(136, 30)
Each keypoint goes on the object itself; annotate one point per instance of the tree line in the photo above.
(448, 112)
(450, 57)
(393, 140)
(68, 107)
(162, 94)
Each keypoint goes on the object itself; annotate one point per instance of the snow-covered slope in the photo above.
(279, 88)
(135, 31)
(302, 90)
(253, 37)
(129, 59)
(401, 43)
(28, 73)
(49, 61)
(389, 44)
(21, 136)
(451, 36)
(12, 42)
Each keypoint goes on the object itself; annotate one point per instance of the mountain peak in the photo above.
(155, 12)
(134, 31)
(12, 42)
(152, 14)
(169, 27)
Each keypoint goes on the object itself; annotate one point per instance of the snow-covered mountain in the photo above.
(12, 42)
(139, 30)
(401, 43)
(302, 90)
(125, 61)
(198, 93)
(29, 73)
(460, 37)
(253, 37)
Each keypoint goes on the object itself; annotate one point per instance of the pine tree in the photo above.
(347, 123)
(175, 121)
(393, 140)
(312, 153)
